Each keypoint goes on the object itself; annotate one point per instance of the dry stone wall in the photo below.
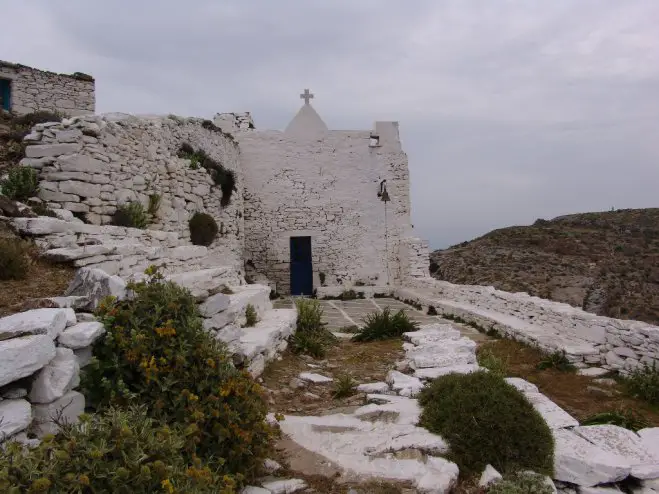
(33, 90)
(615, 344)
(90, 165)
(325, 188)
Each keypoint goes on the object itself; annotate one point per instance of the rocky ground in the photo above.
(607, 263)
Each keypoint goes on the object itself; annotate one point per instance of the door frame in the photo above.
(6, 83)
(301, 268)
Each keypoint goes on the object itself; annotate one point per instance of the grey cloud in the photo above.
(509, 110)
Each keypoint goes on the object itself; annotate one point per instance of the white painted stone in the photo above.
(250, 489)
(81, 335)
(592, 372)
(271, 465)
(15, 416)
(522, 384)
(66, 409)
(20, 357)
(379, 387)
(37, 321)
(555, 416)
(286, 486)
(599, 490)
(435, 372)
(582, 463)
(57, 378)
(489, 476)
(402, 383)
(624, 443)
(315, 378)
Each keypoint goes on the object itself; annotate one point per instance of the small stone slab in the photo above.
(250, 489)
(402, 383)
(379, 387)
(20, 357)
(16, 416)
(287, 486)
(555, 416)
(96, 284)
(592, 372)
(37, 321)
(57, 378)
(428, 360)
(523, 385)
(315, 378)
(435, 372)
(67, 409)
(489, 476)
(214, 304)
(625, 443)
(581, 462)
(81, 335)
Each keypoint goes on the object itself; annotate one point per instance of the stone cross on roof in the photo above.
(306, 96)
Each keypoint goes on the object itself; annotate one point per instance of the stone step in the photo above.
(203, 282)
(256, 295)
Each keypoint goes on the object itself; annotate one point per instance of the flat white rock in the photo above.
(435, 372)
(625, 443)
(15, 416)
(429, 360)
(581, 462)
(57, 378)
(592, 372)
(96, 284)
(250, 489)
(214, 304)
(601, 490)
(489, 476)
(555, 416)
(67, 409)
(523, 385)
(81, 335)
(36, 321)
(20, 357)
(402, 383)
(286, 486)
(379, 387)
(315, 378)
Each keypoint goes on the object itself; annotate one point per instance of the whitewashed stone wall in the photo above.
(89, 165)
(612, 343)
(33, 90)
(415, 258)
(326, 187)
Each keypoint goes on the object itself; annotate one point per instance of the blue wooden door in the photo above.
(301, 267)
(5, 94)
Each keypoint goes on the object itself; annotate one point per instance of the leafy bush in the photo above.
(344, 386)
(120, 451)
(310, 336)
(496, 365)
(381, 325)
(558, 361)
(156, 351)
(432, 311)
(154, 203)
(486, 420)
(21, 183)
(251, 317)
(131, 215)
(14, 260)
(522, 483)
(203, 229)
(627, 418)
(643, 383)
(222, 176)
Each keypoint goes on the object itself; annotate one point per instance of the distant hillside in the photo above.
(606, 263)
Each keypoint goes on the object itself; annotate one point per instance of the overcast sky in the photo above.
(509, 110)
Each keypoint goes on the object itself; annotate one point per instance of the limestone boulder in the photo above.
(37, 321)
(21, 357)
(403, 384)
(96, 284)
(489, 476)
(16, 416)
(214, 304)
(65, 410)
(61, 375)
(81, 335)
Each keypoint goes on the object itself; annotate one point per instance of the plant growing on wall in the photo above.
(223, 177)
(131, 215)
(154, 203)
(203, 229)
(20, 184)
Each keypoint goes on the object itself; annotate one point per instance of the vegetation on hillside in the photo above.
(607, 263)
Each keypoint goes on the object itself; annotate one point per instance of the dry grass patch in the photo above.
(579, 395)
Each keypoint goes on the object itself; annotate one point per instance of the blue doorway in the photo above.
(301, 267)
(5, 94)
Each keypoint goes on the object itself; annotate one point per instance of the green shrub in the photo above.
(119, 451)
(381, 325)
(643, 383)
(203, 229)
(557, 360)
(157, 352)
(344, 386)
(627, 418)
(348, 295)
(251, 317)
(486, 420)
(154, 203)
(221, 176)
(131, 215)
(14, 260)
(432, 311)
(496, 365)
(310, 336)
(21, 183)
(522, 483)
(42, 210)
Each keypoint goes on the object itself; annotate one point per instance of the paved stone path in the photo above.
(338, 314)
